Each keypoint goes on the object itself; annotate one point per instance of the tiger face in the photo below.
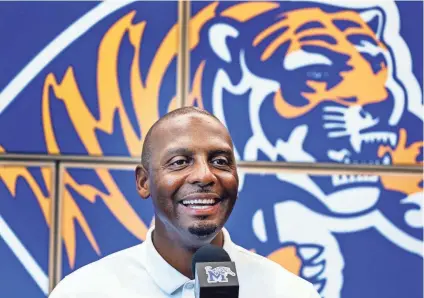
(312, 82)
(308, 65)
(331, 56)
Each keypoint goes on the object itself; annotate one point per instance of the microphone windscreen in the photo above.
(209, 253)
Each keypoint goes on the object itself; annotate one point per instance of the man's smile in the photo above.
(201, 204)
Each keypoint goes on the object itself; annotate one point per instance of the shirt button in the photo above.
(189, 286)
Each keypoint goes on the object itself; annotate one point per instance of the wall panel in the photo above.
(331, 90)
(26, 195)
(313, 81)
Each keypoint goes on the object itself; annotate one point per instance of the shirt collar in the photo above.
(166, 276)
(229, 245)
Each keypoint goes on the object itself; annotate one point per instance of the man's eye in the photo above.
(179, 162)
(220, 161)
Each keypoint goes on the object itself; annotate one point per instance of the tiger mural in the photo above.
(316, 82)
(293, 81)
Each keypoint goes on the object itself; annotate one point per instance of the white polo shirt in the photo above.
(140, 271)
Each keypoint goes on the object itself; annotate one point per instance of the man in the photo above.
(189, 171)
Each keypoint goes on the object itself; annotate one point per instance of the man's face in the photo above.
(193, 177)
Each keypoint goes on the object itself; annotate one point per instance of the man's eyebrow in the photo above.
(187, 152)
(222, 151)
(178, 151)
(228, 153)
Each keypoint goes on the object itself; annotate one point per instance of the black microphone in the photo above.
(215, 273)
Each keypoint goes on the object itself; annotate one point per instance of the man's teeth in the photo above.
(199, 206)
(199, 203)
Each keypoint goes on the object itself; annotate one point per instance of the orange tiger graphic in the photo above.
(308, 73)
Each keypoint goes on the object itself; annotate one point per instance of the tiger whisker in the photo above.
(337, 134)
(333, 118)
(341, 110)
(334, 125)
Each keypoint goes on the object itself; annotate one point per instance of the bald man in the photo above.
(189, 172)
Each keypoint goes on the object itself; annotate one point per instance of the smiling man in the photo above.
(189, 171)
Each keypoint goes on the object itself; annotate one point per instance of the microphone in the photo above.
(215, 273)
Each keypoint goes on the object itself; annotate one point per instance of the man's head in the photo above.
(189, 170)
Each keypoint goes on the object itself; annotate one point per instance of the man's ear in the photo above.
(142, 182)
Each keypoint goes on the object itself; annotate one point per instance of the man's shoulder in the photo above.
(100, 275)
(277, 278)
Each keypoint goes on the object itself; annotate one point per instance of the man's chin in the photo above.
(203, 230)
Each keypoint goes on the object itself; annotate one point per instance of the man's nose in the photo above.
(202, 174)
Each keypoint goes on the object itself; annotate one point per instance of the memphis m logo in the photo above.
(218, 274)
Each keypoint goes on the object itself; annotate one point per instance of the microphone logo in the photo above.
(218, 274)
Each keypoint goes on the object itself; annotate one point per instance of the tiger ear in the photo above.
(375, 20)
(218, 37)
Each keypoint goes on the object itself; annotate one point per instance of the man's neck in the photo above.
(174, 252)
